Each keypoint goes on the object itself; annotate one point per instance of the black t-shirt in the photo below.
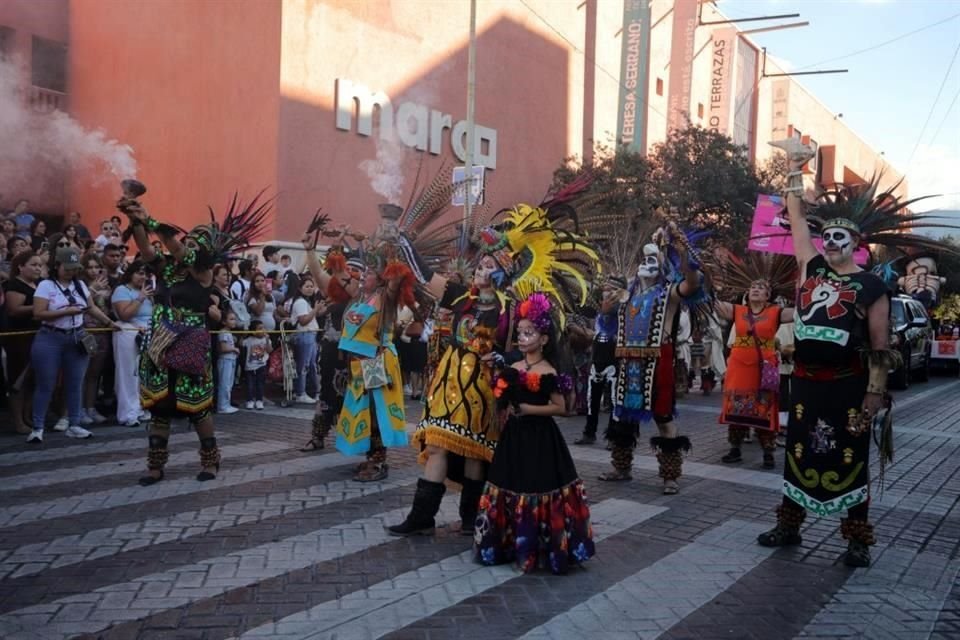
(830, 328)
(20, 323)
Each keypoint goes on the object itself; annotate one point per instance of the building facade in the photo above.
(340, 103)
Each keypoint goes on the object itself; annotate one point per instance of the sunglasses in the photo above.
(61, 245)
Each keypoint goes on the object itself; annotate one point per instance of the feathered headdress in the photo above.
(532, 251)
(735, 274)
(240, 228)
(878, 216)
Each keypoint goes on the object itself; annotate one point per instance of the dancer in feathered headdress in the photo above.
(751, 388)
(839, 386)
(175, 366)
(532, 466)
(458, 433)
(668, 277)
(372, 284)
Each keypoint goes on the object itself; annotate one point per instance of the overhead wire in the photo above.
(933, 106)
(881, 44)
(946, 115)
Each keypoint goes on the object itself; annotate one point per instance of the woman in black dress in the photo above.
(533, 509)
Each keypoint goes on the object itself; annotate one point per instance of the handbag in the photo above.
(88, 344)
(275, 366)
(769, 372)
(374, 371)
(189, 352)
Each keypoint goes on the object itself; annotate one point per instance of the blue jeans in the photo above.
(53, 352)
(305, 355)
(226, 372)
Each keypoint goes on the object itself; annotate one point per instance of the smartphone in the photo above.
(44, 245)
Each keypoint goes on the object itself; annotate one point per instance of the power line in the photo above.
(934, 105)
(945, 116)
(881, 44)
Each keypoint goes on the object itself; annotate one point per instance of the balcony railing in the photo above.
(47, 100)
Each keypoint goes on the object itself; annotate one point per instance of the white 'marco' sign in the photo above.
(416, 125)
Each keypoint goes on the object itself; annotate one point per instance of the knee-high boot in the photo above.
(426, 503)
(469, 504)
(790, 516)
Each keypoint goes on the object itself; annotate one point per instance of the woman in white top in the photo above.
(304, 314)
(260, 303)
(59, 304)
(133, 305)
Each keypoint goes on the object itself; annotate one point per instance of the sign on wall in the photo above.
(721, 79)
(634, 61)
(459, 175)
(415, 125)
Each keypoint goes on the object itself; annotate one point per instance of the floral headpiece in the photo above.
(536, 308)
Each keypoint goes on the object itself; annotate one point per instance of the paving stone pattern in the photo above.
(285, 545)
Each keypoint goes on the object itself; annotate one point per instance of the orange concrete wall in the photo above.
(192, 86)
(530, 87)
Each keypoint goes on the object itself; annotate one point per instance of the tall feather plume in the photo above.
(242, 225)
(734, 274)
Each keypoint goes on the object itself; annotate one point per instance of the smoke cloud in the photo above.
(385, 172)
(39, 147)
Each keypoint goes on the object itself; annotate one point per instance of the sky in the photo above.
(890, 91)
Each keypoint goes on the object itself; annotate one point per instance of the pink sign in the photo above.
(771, 230)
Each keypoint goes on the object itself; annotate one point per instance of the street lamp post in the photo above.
(471, 100)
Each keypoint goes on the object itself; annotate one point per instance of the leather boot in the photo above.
(426, 503)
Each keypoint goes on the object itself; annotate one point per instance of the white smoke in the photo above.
(386, 170)
(40, 147)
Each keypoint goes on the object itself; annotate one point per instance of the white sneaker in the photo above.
(146, 416)
(76, 431)
(62, 424)
(130, 423)
(85, 418)
(407, 390)
(784, 418)
(228, 410)
(305, 399)
(249, 404)
(35, 436)
(96, 416)
(259, 404)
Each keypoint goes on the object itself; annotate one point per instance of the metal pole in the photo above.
(471, 99)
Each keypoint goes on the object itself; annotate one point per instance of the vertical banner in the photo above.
(634, 62)
(781, 98)
(721, 79)
(681, 62)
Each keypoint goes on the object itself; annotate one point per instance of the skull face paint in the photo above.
(838, 244)
(650, 267)
(484, 271)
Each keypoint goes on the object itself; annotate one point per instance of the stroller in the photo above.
(283, 367)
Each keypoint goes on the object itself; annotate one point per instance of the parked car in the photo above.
(911, 333)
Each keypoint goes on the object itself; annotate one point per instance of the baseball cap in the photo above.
(68, 257)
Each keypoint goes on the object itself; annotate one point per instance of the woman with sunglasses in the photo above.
(133, 305)
(94, 276)
(60, 303)
(25, 273)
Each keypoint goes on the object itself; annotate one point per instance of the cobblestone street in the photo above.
(284, 545)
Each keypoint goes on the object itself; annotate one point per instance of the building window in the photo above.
(700, 110)
(49, 69)
(659, 86)
(6, 41)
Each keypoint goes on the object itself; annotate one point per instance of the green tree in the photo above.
(706, 181)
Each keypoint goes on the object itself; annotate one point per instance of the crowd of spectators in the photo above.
(58, 287)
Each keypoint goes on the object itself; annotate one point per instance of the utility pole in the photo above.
(471, 100)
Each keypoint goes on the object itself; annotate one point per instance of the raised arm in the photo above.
(320, 275)
(797, 155)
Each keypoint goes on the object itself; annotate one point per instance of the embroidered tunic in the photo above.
(458, 414)
(361, 405)
(744, 403)
(828, 445)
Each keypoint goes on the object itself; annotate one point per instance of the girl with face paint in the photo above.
(532, 465)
